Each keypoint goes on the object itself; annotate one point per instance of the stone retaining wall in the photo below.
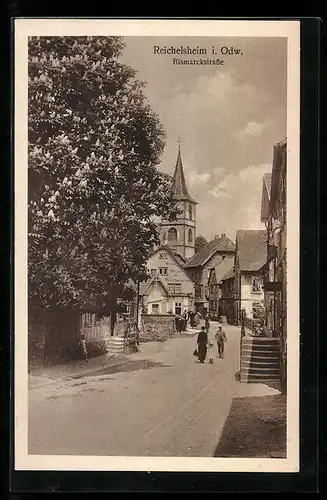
(157, 327)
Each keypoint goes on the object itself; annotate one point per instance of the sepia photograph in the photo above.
(156, 275)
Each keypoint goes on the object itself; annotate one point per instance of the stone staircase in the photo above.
(116, 345)
(260, 359)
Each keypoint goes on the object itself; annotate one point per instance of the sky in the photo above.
(228, 118)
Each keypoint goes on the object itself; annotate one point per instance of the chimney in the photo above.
(223, 234)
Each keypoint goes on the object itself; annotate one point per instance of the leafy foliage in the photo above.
(200, 242)
(94, 189)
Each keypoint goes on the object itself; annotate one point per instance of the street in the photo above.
(162, 403)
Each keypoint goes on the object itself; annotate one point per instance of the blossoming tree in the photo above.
(94, 185)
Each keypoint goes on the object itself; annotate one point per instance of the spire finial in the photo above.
(179, 142)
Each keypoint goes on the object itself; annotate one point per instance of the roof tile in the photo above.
(222, 244)
(251, 249)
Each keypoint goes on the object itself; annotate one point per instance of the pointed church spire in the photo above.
(180, 188)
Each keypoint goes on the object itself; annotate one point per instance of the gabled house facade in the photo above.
(251, 255)
(216, 276)
(168, 290)
(275, 269)
(227, 298)
(199, 267)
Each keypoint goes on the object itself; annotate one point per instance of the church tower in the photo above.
(180, 234)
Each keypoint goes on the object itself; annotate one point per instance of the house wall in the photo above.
(94, 327)
(201, 275)
(157, 300)
(166, 304)
(247, 296)
(162, 259)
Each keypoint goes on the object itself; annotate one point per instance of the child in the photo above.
(84, 348)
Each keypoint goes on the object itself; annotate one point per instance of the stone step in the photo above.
(260, 371)
(262, 376)
(259, 364)
(261, 340)
(258, 380)
(260, 361)
(260, 354)
(116, 341)
(259, 347)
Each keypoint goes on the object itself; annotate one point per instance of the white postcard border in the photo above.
(151, 27)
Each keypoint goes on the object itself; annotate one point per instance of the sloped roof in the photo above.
(229, 275)
(179, 258)
(222, 244)
(279, 166)
(266, 189)
(180, 188)
(251, 249)
(267, 181)
(146, 284)
(224, 267)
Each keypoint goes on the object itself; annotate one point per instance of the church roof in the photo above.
(180, 188)
(220, 244)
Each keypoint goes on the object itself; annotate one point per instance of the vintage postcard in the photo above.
(156, 272)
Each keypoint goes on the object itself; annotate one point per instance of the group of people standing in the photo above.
(194, 317)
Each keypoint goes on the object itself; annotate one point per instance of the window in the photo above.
(153, 272)
(164, 238)
(163, 270)
(190, 212)
(88, 319)
(155, 309)
(190, 236)
(178, 308)
(223, 257)
(172, 235)
(162, 255)
(175, 288)
(256, 285)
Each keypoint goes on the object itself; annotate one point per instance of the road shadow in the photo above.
(255, 428)
(131, 366)
(273, 384)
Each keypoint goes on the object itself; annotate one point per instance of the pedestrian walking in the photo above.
(179, 323)
(221, 339)
(202, 342)
(191, 315)
(207, 322)
(185, 316)
(197, 318)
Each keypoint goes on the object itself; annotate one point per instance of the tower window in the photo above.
(172, 235)
(190, 212)
(190, 236)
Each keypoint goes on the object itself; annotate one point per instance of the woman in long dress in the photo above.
(202, 344)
